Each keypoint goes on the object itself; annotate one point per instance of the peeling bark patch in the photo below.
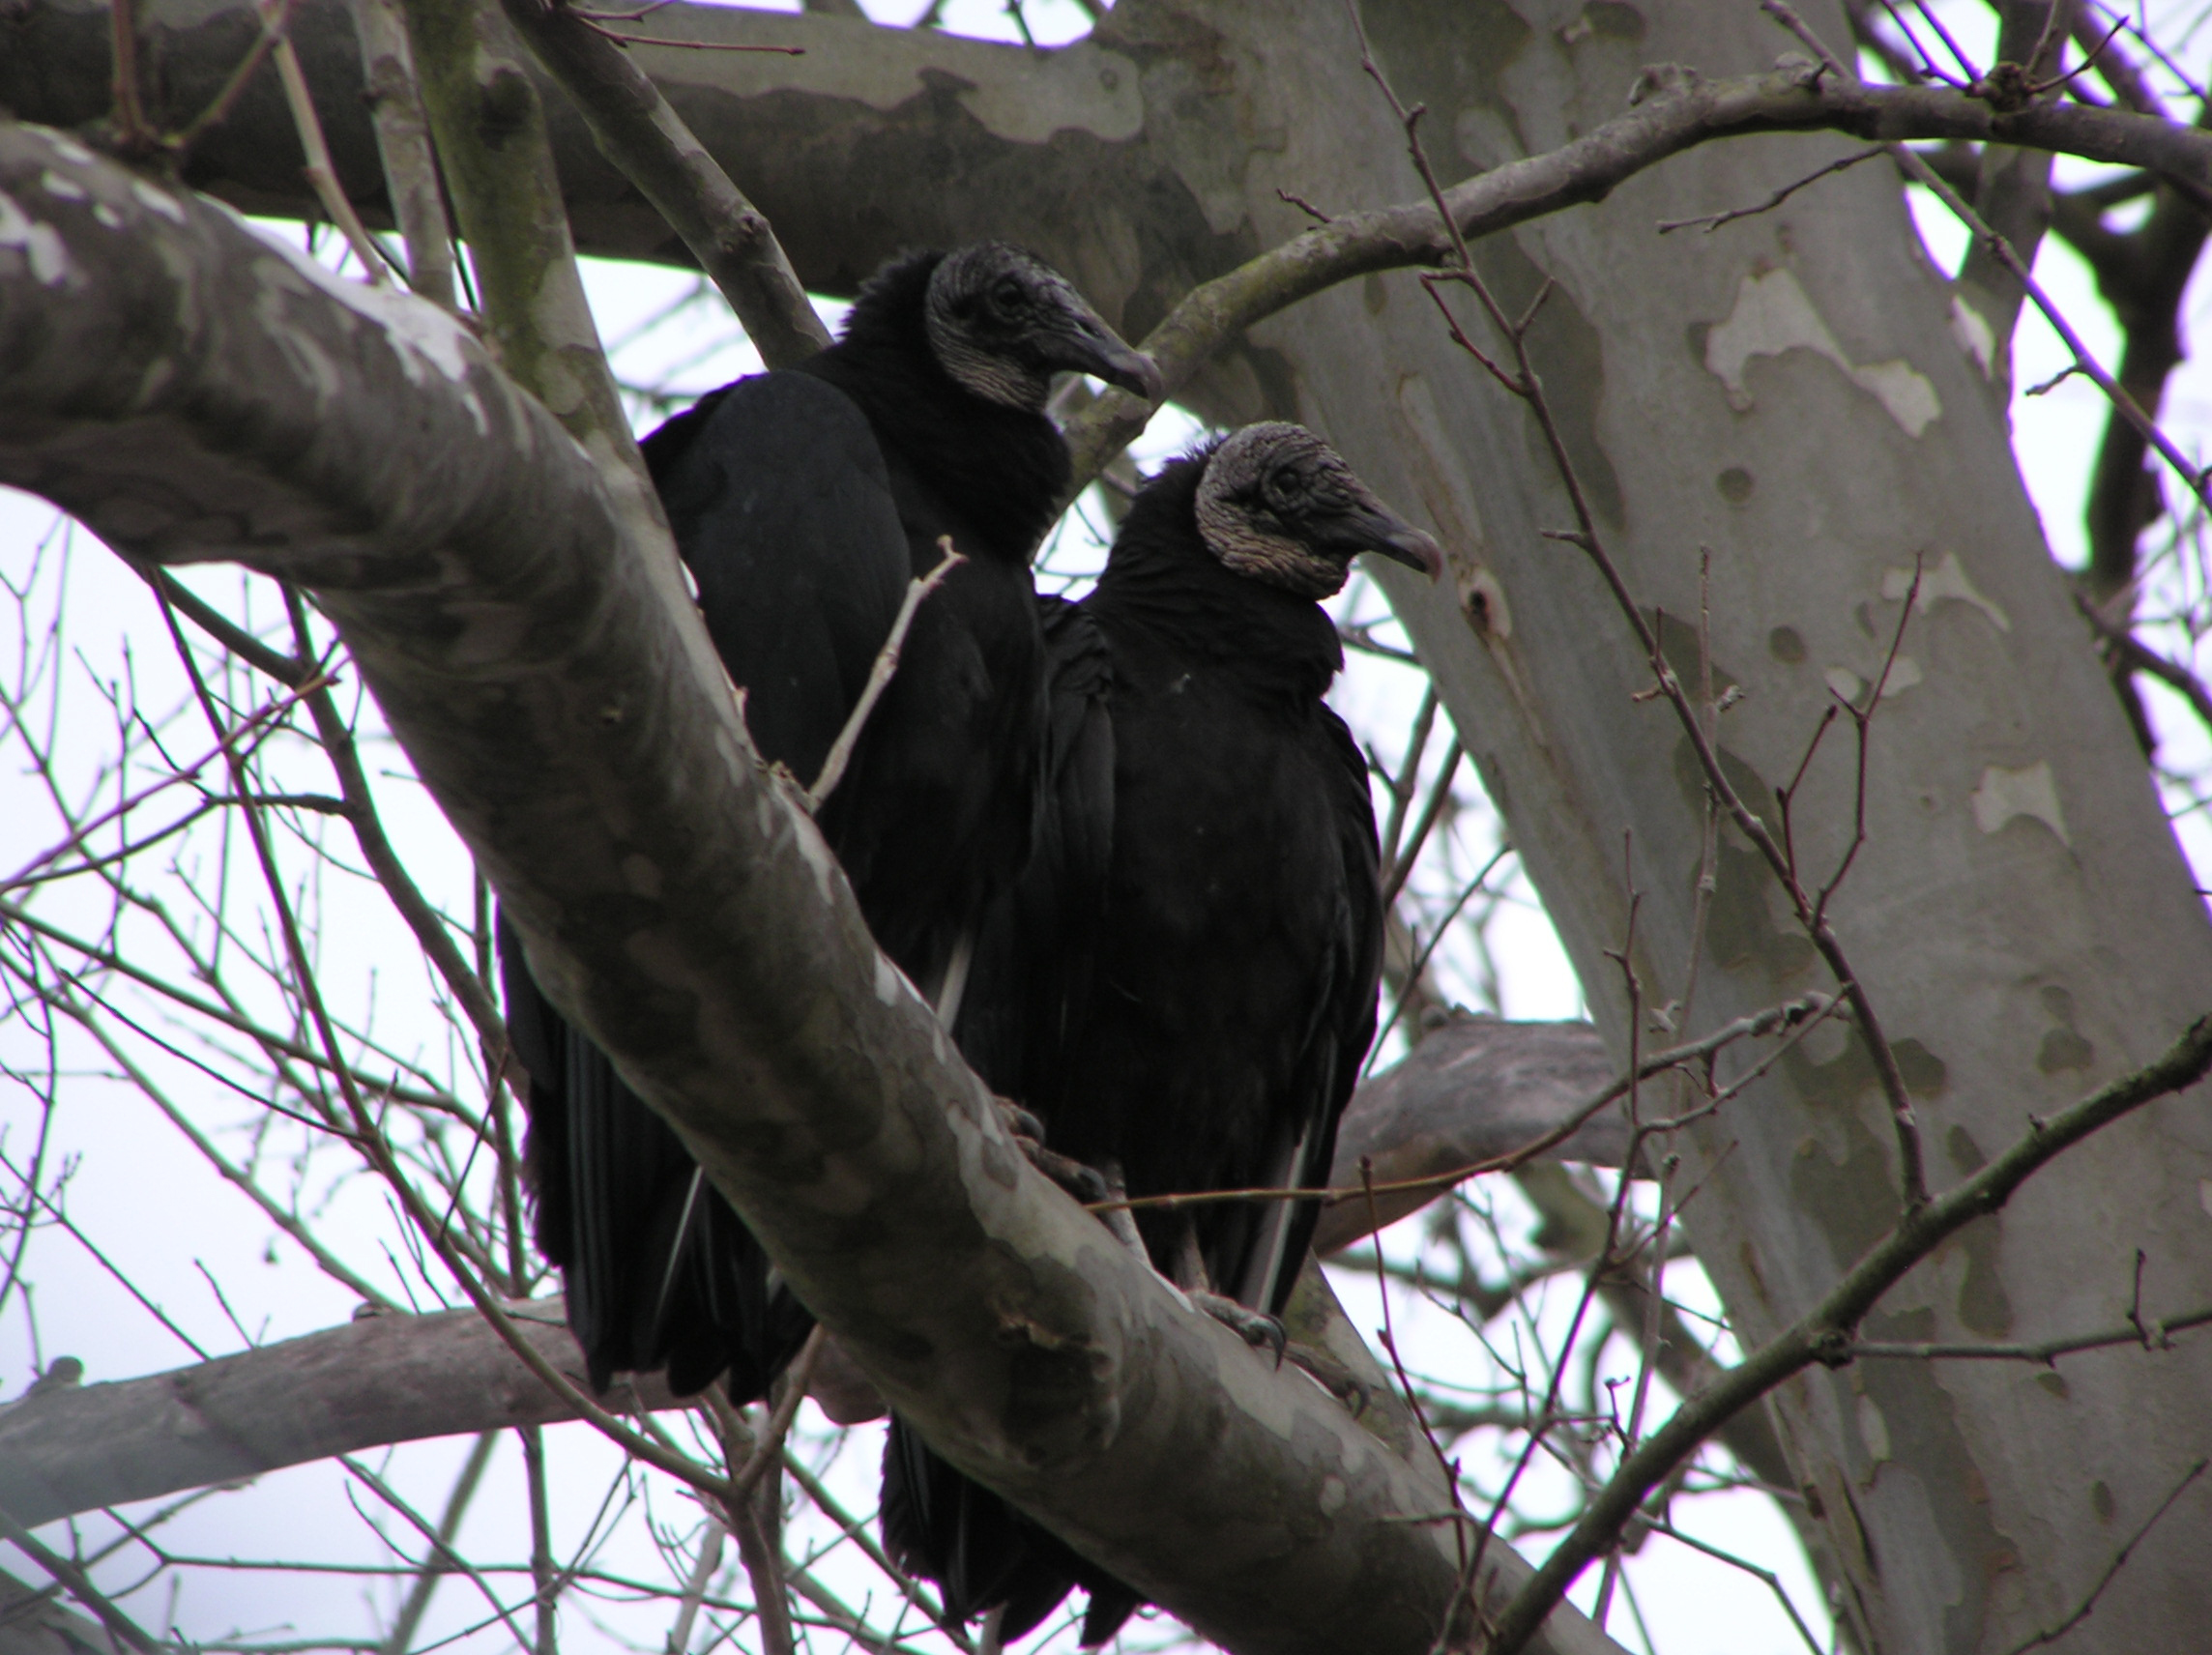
(301, 349)
(1984, 1305)
(1772, 316)
(2007, 793)
(1874, 1433)
(2064, 1049)
(1973, 333)
(1850, 687)
(1948, 579)
(157, 201)
(40, 244)
(1965, 1155)
(422, 337)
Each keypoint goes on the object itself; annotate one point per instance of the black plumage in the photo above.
(803, 501)
(1183, 984)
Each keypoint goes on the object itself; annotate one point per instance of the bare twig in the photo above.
(321, 174)
(2191, 477)
(1711, 222)
(441, 1556)
(1790, 1014)
(2152, 1335)
(2053, 1635)
(767, 1449)
(880, 675)
(1824, 1335)
(80, 1586)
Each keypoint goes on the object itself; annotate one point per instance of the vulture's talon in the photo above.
(1019, 1122)
(1256, 1327)
(1079, 1180)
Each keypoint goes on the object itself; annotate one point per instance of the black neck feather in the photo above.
(1002, 469)
(1163, 574)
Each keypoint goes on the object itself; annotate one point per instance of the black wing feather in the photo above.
(1037, 947)
(782, 505)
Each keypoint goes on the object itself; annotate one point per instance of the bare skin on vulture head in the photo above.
(1280, 504)
(1002, 322)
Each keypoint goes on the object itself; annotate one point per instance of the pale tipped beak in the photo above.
(1089, 347)
(1129, 369)
(1414, 549)
(1376, 527)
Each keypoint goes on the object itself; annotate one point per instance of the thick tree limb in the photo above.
(1490, 1088)
(875, 102)
(1474, 1089)
(382, 1379)
(1678, 109)
(644, 136)
(191, 392)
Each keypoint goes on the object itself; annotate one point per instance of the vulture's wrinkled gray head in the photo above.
(1002, 322)
(1278, 503)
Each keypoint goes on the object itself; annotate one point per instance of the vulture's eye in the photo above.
(1007, 299)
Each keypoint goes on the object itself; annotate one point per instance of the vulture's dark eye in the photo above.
(1007, 299)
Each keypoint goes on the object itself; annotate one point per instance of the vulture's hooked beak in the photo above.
(1376, 527)
(1090, 346)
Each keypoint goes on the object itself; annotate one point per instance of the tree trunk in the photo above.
(1792, 392)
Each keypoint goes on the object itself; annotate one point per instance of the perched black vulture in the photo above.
(1182, 983)
(803, 501)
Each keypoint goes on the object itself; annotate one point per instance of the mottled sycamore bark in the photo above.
(190, 391)
(1800, 392)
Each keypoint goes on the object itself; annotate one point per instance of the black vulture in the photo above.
(1182, 983)
(803, 501)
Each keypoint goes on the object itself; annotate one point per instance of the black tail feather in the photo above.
(657, 1276)
(982, 1553)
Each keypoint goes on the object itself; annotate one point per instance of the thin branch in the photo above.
(1711, 222)
(1824, 1334)
(435, 1567)
(403, 145)
(322, 176)
(2129, 409)
(2119, 1561)
(641, 133)
(80, 1586)
(1788, 1015)
(880, 676)
(2154, 1335)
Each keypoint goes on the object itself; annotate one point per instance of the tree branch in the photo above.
(1675, 109)
(1824, 1334)
(643, 136)
(559, 697)
(383, 1379)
